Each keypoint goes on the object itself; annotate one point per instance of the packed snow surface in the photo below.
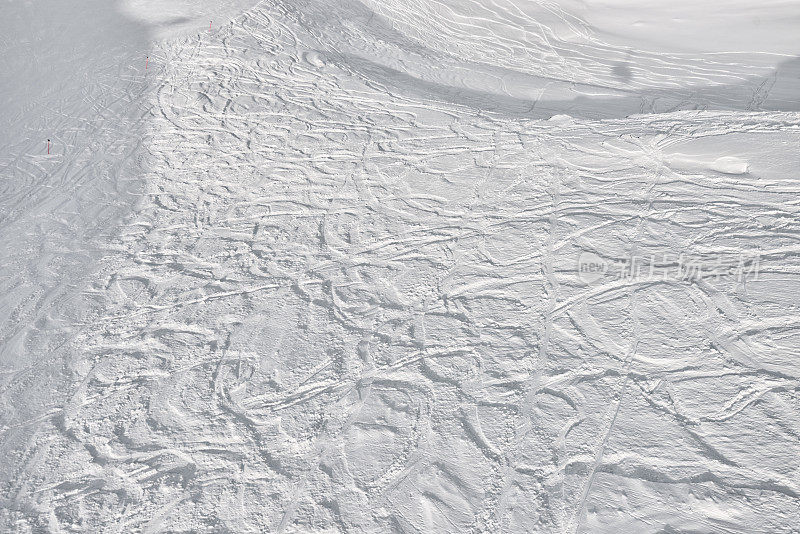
(400, 266)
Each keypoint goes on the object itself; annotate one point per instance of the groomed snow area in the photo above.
(317, 266)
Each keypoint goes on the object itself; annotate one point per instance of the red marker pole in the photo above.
(146, 61)
(209, 24)
(48, 147)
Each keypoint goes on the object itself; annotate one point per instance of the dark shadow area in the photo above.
(778, 92)
(176, 21)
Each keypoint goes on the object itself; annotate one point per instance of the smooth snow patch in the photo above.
(730, 165)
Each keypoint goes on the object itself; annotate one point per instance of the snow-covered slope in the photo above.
(413, 266)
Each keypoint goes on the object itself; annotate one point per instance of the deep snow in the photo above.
(410, 266)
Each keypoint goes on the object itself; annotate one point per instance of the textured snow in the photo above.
(400, 266)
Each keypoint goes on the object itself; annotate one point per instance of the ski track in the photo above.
(346, 303)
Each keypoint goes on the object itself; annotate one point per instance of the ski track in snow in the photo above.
(347, 299)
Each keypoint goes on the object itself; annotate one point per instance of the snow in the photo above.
(382, 266)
